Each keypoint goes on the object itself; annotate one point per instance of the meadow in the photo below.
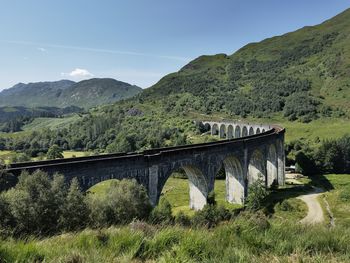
(248, 237)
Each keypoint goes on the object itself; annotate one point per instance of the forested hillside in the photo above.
(64, 93)
(13, 118)
(304, 74)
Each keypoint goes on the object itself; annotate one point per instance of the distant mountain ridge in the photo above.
(64, 93)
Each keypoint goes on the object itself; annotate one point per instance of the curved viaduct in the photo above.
(249, 151)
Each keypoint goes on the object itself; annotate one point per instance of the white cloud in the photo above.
(78, 73)
(41, 49)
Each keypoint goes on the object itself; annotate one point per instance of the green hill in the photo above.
(303, 74)
(63, 93)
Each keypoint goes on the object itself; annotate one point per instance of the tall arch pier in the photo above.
(247, 152)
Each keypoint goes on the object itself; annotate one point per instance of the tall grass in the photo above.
(248, 238)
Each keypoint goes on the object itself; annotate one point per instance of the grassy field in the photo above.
(50, 123)
(339, 198)
(7, 155)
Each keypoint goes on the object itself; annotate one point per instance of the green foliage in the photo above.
(305, 164)
(124, 201)
(210, 216)
(333, 155)
(182, 219)
(256, 194)
(55, 152)
(75, 211)
(33, 204)
(19, 158)
(162, 214)
(7, 180)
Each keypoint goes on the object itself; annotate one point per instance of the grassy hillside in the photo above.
(303, 74)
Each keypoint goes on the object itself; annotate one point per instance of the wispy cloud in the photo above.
(41, 49)
(98, 50)
(78, 73)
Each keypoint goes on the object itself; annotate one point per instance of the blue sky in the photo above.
(137, 41)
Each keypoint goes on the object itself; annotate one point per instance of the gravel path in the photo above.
(315, 213)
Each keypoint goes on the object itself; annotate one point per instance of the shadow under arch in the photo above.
(251, 131)
(207, 127)
(271, 165)
(237, 132)
(244, 131)
(230, 134)
(258, 131)
(215, 129)
(235, 180)
(222, 131)
(256, 167)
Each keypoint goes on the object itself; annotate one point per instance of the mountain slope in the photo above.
(63, 93)
(304, 74)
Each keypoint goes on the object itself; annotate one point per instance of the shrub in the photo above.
(124, 201)
(55, 152)
(285, 205)
(75, 210)
(162, 214)
(33, 204)
(182, 219)
(210, 216)
(256, 195)
(7, 180)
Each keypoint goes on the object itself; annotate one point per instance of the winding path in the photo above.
(315, 213)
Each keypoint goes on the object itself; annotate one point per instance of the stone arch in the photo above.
(251, 131)
(207, 127)
(235, 181)
(258, 131)
(215, 129)
(256, 167)
(222, 131)
(280, 162)
(198, 187)
(263, 130)
(237, 131)
(230, 132)
(271, 165)
(244, 131)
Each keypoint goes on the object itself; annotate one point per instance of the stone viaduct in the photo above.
(246, 152)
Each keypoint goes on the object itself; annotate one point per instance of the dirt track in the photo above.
(315, 213)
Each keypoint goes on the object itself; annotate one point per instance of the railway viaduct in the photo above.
(246, 151)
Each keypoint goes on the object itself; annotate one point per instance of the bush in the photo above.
(55, 152)
(75, 211)
(182, 219)
(256, 195)
(124, 201)
(34, 204)
(7, 180)
(162, 214)
(210, 216)
(6, 219)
